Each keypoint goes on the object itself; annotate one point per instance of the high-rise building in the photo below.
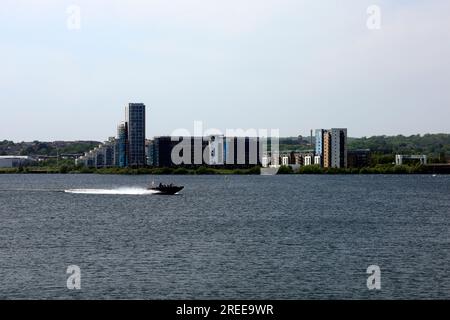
(122, 143)
(331, 146)
(326, 149)
(135, 121)
(319, 144)
(339, 148)
(116, 152)
(108, 149)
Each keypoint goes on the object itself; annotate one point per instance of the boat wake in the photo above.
(30, 190)
(118, 191)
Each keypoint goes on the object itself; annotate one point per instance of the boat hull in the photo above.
(166, 190)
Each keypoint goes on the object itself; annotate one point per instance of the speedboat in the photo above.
(168, 189)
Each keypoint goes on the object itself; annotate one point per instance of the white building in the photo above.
(15, 161)
(400, 157)
(308, 160)
(317, 160)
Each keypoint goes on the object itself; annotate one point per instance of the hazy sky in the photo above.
(288, 64)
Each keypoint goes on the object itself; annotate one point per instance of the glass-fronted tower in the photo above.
(122, 136)
(135, 121)
(319, 141)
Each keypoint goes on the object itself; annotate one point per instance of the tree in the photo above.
(285, 170)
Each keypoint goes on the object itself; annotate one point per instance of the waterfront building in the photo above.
(127, 149)
(116, 153)
(161, 151)
(265, 161)
(108, 150)
(319, 143)
(235, 152)
(326, 149)
(16, 161)
(122, 143)
(331, 147)
(99, 158)
(358, 158)
(274, 159)
(188, 151)
(317, 160)
(296, 158)
(339, 148)
(135, 122)
(150, 152)
(308, 160)
(400, 159)
(90, 159)
(244, 152)
(303, 158)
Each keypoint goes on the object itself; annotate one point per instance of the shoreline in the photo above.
(283, 170)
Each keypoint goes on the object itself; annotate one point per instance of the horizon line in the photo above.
(169, 135)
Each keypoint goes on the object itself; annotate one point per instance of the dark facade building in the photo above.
(358, 158)
(304, 158)
(135, 125)
(242, 151)
(160, 151)
(237, 151)
(122, 142)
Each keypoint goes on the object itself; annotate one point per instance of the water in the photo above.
(248, 237)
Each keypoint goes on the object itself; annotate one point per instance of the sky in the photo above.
(292, 65)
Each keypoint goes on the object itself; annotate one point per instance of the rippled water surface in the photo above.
(253, 237)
